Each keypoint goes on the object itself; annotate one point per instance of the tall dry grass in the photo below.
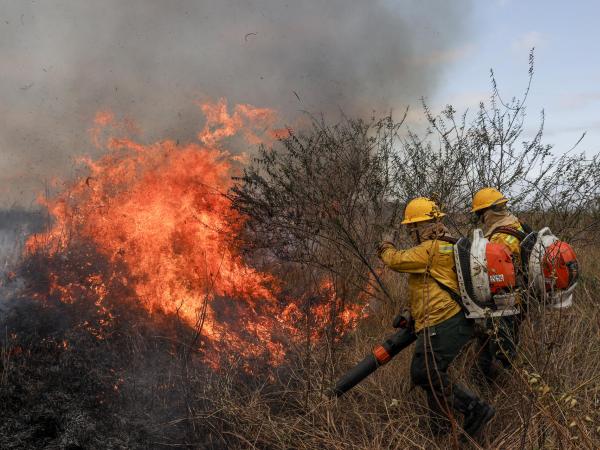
(549, 399)
(139, 386)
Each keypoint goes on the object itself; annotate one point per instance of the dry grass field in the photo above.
(70, 379)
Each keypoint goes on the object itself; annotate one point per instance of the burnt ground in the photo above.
(78, 375)
(73, 377)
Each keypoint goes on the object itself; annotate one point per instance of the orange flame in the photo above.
(160, 210)
(250, 121)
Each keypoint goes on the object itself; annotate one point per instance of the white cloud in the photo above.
(528, 40)
(579, 100)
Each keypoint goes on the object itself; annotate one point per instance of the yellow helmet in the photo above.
(421, 209)
(486, 197)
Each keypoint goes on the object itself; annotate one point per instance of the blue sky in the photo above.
(566, 83)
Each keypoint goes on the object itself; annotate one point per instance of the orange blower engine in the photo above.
(486, 277)
(551, 268)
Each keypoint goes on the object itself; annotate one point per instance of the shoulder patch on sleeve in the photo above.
(446, 248)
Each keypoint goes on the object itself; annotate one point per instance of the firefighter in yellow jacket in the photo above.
(441, 326)
(499, 345)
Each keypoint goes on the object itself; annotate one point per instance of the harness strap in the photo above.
(457, 298)
(520, 235)
(449, 239)
(526, 228)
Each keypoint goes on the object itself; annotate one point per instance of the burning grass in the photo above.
(159, 218)
(75, 375)
(69, 380)
(137, 295)
(102, 371)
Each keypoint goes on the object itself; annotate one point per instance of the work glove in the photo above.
(383, 247)
(403, 320)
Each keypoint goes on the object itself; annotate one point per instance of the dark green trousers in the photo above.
(436, 348)
(498, 343)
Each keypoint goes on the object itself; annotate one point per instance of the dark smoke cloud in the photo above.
(149, 60)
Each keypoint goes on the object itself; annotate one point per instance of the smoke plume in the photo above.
(150, 60)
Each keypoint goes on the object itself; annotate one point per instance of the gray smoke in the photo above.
(15, 225)
(149, 60)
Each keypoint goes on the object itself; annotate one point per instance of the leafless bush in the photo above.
(335, 189)
(323, 198)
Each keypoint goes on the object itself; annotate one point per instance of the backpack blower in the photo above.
(549, 266)
(486, 278)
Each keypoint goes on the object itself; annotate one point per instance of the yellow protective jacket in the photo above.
(511, 242)
(429, 303)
